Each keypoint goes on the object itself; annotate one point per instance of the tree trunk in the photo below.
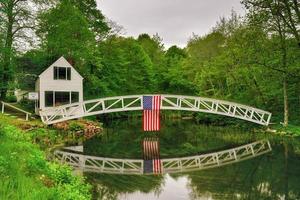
(284, 67)
(285, 99)
(7, 50)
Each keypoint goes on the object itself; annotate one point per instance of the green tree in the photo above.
(271, 16)
(64, 30)
(155, 50)
(126, 69)
(29, 66)
(17, 17)
(175, 79)
(201, 50)
(285, 11)
(95, 18)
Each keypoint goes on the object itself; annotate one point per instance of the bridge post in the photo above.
(217, 159)
(2, 107)
(269, 118)
(82, 161)
(234, 154)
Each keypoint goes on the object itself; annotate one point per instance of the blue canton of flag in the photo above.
(147, 102)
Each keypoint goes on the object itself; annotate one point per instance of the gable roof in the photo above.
(61, 62)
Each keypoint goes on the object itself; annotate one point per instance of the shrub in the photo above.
(11, 99)
(69, 187)
(36, 163)
(60, 173)
(27, 104)
(75, 126)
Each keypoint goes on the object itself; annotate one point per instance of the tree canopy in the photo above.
(253, 59)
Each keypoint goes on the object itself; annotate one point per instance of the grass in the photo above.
(291, 129)
(26, 174)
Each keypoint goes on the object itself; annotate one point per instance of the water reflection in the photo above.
(174, 188)
(275, 175)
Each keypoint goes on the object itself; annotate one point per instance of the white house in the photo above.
(59, 84)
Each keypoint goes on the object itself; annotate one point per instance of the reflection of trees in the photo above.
(177, 138)
(101, 192)
(125, 183)
(268, 177)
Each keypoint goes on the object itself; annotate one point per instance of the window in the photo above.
(62, 73)
(62, 98)
(75, 97)
(69, 73)
(49, 98)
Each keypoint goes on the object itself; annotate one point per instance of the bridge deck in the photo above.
(173, 165)
(169, 102)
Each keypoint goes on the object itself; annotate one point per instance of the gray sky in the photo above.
(173, 20)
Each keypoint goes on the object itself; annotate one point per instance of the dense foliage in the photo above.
(254, 59)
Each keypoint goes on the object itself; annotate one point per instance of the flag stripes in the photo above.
(151, 113)
(152, 163)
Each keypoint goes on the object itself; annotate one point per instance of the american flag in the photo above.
(151, 108)
(152, 163)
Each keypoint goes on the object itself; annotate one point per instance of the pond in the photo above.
(275, 175)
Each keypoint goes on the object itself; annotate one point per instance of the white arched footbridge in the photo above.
(168, 102)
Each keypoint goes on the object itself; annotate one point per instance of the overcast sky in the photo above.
(173, 20)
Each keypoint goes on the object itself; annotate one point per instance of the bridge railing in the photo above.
(27, 114)
(172, 165)
(168, 102)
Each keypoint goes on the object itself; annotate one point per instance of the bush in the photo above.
(75, 126)
(11, 99)
(36, 163)
(27, 104)
(60, 174)
(68, 186)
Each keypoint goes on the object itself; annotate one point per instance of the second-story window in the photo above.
(62, 73)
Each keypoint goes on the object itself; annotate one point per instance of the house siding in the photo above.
(46, 82)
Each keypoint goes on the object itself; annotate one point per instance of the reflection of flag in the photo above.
(152, 166)
(151, 107)
(156, 166)
(150, 148)
(152, 163)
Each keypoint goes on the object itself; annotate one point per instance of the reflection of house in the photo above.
(59, 84)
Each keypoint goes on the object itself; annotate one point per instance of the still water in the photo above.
(275, 175)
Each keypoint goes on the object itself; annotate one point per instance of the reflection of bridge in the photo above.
(168, 102)
(171, 165)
